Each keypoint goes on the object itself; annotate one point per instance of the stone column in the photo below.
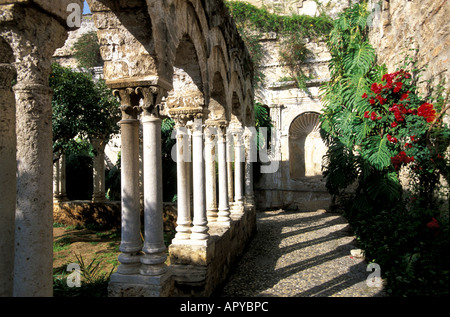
(200, 228)
(230, 162)
(131, 243)
(250, 147)
(7, 177)
(154, 249)
(238, 171)
(59, 179)
(224, 207)
(183, 228)
(99, 169)
(33, 36)
(210, 173)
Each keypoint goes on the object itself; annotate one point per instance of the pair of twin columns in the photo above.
(149, 258)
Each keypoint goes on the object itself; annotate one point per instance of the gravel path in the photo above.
(305, 254)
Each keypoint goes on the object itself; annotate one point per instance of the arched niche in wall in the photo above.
(306, 148)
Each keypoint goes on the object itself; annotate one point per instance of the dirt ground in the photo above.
(69, 242)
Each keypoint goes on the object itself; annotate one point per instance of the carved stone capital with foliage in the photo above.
(151, 96)
(129, 102)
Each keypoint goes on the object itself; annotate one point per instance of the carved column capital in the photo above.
(152, 97)
(220, 127)
(129, 102)
(185, 108)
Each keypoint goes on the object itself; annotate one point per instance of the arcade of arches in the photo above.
(181, 59)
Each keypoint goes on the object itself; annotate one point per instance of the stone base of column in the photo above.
(121, 285)
(60, 198)
(237, 208)
(190, 255)
(189, 242)
(98, 198)
(223, 217)
(250, 201)
(211, 215)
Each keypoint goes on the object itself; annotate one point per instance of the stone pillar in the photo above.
(33, 36)
(250, 147)
(59, 179)
(183, 228)
(200, 228)
(99, 169)
(224, 207)
(34, 210)
(238, 171)
(131, 243)
(154, 249)
(210, 173)
(7, 178)
(230, 162)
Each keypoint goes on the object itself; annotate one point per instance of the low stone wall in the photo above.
(106, 214)
(197, 271)
(86, 212)
(291, 199)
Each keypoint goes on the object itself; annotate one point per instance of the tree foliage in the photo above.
(81, 109)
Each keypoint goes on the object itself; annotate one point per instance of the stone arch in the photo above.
(188, 90)
(218, 58)
(236, 97)
(306, 148)
(125, 34)
(236, 107)
(217, 103)
(191, 31)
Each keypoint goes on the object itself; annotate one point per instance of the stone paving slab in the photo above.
(301, 254)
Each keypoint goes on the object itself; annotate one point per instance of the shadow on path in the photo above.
(303, 254)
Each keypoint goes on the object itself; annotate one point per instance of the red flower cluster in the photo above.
(401, 158)
(376, 88)
(391, 139)
(389, 78)
(427, 111)
(393, 94)
(433, 224)
(373, 116)
(392, 81)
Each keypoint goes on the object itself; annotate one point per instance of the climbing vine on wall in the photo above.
(293, 31)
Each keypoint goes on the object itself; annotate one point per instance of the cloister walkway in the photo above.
(304, 254)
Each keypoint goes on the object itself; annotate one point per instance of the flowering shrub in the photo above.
(399, 115)
(375, 125)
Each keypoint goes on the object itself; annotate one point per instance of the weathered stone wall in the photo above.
(64, 55)
(420, 24)
(307, 7)
(287, 102)
(199, 270)
(81, 213)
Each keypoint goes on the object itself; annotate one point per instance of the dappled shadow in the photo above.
(299, 254)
